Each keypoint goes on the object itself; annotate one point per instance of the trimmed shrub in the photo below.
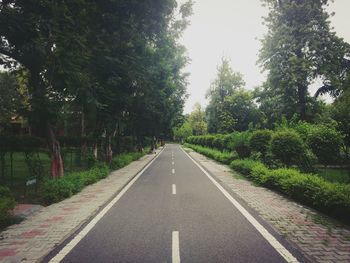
(219, 142)
(55, 190)
(304, 129)
(309, 189)
(287, 146)
(244, 166)
(325, 143)
(7, 202)
(124, 159)
(260, 140)
(222, 157)
(239, 141)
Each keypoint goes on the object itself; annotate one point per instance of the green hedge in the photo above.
(223, 157)
(72, 183)
(55, 190)
(236, 141)
(287, 147)
(260, 141)
(7, 202)
(330, 198)
(124, 159)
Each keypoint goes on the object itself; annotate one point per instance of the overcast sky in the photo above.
(232, 28)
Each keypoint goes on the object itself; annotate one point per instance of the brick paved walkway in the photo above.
(317, 237)
(35, 237)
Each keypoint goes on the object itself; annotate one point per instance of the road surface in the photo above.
(174, 212)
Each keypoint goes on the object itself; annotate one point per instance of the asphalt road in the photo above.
(173, 212)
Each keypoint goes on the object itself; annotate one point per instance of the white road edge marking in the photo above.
(173, 170)
(269, 238)
(175, 247)
(67, 248)
(174, 189)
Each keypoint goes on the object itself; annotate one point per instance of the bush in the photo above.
(124, 159)
(55, 190)
(244, 166)
(304, 129)
(325, 143)
(287, 146)
(330, 198)
(219, 142)
(260, 140)
(7, 202)
(239, 141)
(222, 157)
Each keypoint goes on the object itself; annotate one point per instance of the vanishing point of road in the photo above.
(173, 211)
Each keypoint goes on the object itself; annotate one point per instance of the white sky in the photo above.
(232, 28)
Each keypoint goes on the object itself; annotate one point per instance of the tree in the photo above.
(225, 84)
(240, 107)
(340, 112)
(325, 143)
(10, 97)
(183, 132)
(42, 38)
(197, 120)
(117, 63)
(298, 49)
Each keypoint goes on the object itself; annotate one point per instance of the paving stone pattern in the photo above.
(316, 236)
(41, 232)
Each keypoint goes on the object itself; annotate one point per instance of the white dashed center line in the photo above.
(173, 171)
(175, 247)
(174, 189)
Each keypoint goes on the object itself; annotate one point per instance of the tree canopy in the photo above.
(299, 49)
(117, 63)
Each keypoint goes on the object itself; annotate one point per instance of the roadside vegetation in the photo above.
(82, 93)
(289, 161)
(279, 135)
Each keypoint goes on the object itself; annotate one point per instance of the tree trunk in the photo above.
(82, 123)
(95, 150)
(56, 159)
(302, 92)
(108, 147)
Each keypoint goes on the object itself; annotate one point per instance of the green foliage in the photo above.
(260, 141)
(226, 83)
(300, 34)
(239, 141)
(55, 190)
(183, 132)
(10, 96)
(244, 166)
(92, 75)
(325, 143)
(287, 146)
(124, 159)
(197, 120)
(330, 198)
(341, 113)
(222, 157)
(7, 202)
(241, 108)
